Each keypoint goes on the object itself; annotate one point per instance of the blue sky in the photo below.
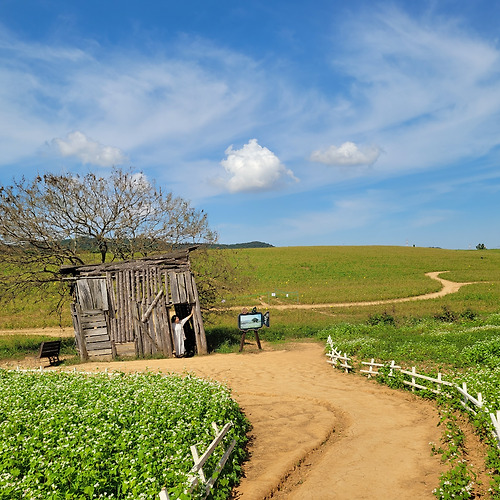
(289, 122)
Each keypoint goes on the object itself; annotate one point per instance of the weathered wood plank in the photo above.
(101, 291)
(173, 287)
(173, 260)
(111, 294)
(166, 284)
(181, 283)
(147, 276)
(128, 293)
(91, 313)
(189, 287)
(98, 343)
(93, 294)
(84, 294)
(80, 340)
(118, 310)
(146, 314)
(201, 339)
(125, 349)
(92, 332)
(101, 352)
(97, 337)
(92, 323)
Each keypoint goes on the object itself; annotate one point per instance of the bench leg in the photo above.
(53, 360)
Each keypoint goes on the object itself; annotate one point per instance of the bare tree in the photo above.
(46, 222)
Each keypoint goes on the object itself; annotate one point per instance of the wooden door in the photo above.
(92, 308)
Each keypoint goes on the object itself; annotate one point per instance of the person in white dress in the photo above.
(179, 335)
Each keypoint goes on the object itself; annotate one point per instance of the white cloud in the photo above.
(253, 168)
(88, 151)
(425, 88)
(159, 108)
(348, 154)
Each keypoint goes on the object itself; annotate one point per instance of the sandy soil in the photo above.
(319, 433)
(52, 332)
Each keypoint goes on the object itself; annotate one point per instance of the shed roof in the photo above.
(178, 260)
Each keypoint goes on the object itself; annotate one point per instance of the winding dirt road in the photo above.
(448, 287)
(319, 433)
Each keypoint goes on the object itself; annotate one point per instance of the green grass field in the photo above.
(349, 274)
(324, 275)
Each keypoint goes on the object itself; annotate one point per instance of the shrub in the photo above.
(446, 315)
(381, 319)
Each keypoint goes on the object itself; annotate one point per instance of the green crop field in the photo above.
(77, 436)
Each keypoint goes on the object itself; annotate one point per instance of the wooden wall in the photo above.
(138, 304)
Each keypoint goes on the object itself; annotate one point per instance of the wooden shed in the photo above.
(125, 308)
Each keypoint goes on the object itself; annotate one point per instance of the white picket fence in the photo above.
(337, 359)
(341, 360)
(196, 475)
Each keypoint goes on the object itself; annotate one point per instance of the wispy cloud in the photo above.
(158, 108)
(423, 89)
(426, 89)
(254, 168)
(431, 217)
(346, 213)
(347, 154)
(89, 152)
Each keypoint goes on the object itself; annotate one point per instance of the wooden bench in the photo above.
(50, 349)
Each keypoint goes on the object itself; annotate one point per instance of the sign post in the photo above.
(252, 321)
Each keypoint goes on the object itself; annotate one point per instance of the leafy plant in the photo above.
(104, 436)
(485, 351)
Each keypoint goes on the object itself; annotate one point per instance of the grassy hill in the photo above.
(321, 275)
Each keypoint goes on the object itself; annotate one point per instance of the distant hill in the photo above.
(251, 244)
(90, 244)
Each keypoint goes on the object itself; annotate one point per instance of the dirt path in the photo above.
(448, 287)
(318, 433)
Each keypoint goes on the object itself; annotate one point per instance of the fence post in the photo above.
(495, 420)
(370, 371)
(196, 459)
(164, 494)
